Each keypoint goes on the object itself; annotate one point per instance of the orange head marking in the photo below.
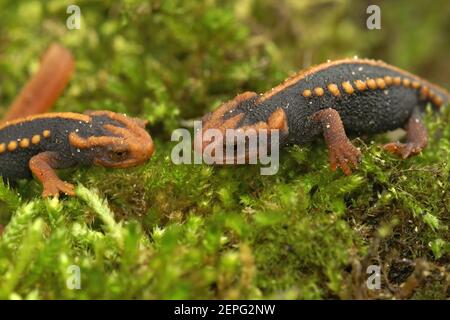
(125, 145)
(227, 116)
(240, 114)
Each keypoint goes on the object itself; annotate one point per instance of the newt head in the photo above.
(237, 123)
(125, 142)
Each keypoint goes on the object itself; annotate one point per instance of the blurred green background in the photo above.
(194, 232)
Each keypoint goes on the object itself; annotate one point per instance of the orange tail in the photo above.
(42, 90)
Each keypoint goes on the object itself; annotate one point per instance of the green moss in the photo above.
(194, 231)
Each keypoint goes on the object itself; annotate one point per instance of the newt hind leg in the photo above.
(416, 138)
(342, 153)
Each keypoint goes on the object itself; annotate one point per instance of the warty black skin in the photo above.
(368, 111)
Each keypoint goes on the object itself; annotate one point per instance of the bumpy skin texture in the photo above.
(41, 143)
(366, 96)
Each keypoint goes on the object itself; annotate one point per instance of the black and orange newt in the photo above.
(38, 143)
(41, 143)
(352, 95)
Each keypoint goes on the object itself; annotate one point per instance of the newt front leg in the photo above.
(341, 151)
(42, 165)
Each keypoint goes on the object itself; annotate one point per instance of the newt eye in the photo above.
(118, 155)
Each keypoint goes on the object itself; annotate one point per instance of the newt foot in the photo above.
(404, 150)
(54, 188)
(344, 155)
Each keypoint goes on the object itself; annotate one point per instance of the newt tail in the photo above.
(44, 88)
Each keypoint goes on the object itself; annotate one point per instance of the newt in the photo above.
(33, 142)
(39, 144)
(333, 99)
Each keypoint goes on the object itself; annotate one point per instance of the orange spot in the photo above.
(307, 93)
(406, 82)
(2, 148)
(334, 90)
(437, 101)
(319, 91)
(397, 81)
(380, 83)
(348, 87)
(12, 145)
(424, 92)
(36, 139)
(388, 80)
(24, 143)
(415, 84)
(360, 85)
(277, 120)
(46, 133)
(371, 84)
